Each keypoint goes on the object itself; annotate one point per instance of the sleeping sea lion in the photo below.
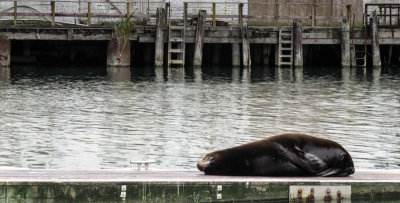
(289, 154)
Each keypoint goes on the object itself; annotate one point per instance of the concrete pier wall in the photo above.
(25, 185)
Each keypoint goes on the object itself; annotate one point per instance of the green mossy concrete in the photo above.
(176, 191)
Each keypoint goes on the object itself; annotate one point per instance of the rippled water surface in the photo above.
(92, 120)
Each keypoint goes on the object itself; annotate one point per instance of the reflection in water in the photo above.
(4, 75)
(175, 116)
(119, 74)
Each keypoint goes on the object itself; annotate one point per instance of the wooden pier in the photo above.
(307, 28)
(185, 186)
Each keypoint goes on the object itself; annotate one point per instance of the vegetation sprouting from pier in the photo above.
(121, 32)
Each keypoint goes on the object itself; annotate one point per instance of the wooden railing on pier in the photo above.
(220, 13)
(388, 14)
(239, 12)
(84, 10)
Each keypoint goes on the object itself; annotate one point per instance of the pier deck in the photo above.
(183, 186)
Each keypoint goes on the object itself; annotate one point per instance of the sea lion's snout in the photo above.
(205, 163)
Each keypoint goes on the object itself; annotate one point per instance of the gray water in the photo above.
(91, 120)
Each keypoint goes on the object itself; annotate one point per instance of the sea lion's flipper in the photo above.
(306, 161)
(329, 172)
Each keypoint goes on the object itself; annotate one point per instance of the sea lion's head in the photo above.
(211, 164)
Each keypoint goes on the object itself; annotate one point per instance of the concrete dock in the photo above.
(188, 186)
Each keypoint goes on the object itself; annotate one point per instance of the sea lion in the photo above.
(289, 154)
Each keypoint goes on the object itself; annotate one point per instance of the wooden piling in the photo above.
(198, 49)
(298, 43)
(235, 54)
(15, 12)
(53, 13)
(5, 52)
(159, 45)
(345, 47)
(376, 56)
(245, 47)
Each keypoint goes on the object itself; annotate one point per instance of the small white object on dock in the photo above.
(146, 164)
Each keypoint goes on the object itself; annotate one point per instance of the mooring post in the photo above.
(235, 54)
(346, 60)
(5, 50)
(298, 43)
(376, 55)
(198, 49)
(159, 46)
(118, 54)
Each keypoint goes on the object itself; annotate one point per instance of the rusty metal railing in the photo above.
(388, 14)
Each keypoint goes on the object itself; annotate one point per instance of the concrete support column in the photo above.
(198, 49)
(159, 46)
(5, 52)
(298, 43)
(346, 59)
(376, 55)
(118, 55)
(235, 54)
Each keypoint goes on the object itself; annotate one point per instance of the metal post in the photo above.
(53, 13)
(15, 12)
(88, 14)
(214, 20)
(241, 14)
(128, 9)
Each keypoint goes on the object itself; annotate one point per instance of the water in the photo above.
(88, 120)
